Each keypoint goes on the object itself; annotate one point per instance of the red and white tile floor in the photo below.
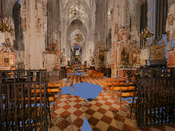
(104, 113)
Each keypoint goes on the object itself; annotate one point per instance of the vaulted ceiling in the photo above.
(77, 17)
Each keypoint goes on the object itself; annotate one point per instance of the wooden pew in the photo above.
(93, 73)
(54, 87)
(107, 85)
(110, 81)
(57, 85)
(99, 74)
(126, 91)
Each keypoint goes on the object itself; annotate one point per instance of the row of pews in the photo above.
(95, 74)
(35, 89)
(122, 90)
(55, 87)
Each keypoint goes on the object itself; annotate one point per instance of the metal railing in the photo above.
(156, 97)
(24, 101)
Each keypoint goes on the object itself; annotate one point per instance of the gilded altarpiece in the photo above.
(7, 60)
(157, 52)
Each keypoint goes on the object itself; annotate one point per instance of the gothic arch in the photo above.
(78, 26)
(72, 36)
(83, 4)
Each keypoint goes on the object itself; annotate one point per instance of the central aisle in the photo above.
(103, 113)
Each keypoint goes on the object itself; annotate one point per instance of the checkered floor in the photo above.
(104, 113)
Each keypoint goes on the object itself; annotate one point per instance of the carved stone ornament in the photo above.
(171, 19)
(38, 25)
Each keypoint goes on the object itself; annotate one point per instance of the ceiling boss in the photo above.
(78, 38)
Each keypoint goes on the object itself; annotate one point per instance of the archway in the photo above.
(76, 33)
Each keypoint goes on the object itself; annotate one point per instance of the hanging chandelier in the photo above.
(146, 34)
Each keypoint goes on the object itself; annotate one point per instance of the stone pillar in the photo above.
(115, 60)
(118, 56)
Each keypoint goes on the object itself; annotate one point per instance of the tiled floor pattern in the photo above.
(103, 113)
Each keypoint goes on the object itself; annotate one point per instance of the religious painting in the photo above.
(125, 56)
(6, 59)
(134, 58)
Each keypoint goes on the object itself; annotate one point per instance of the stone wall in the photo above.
(144, 56)
(49, 61)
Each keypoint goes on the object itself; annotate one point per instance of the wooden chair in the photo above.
(115, 87)
(126, 92)
(107, 85)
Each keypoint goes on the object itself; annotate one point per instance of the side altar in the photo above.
(7, 56)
